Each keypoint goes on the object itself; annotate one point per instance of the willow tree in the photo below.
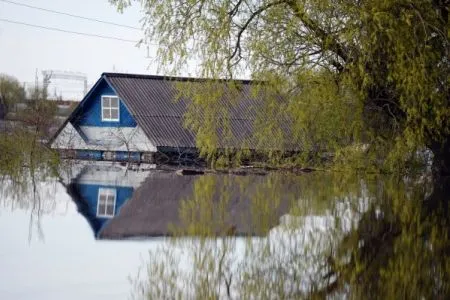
(357, 71)
(11, 91)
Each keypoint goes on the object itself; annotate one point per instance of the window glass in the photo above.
(114, 102)
(105, 101)
(110, 209)
(106, 114)
(106, 202)
(110, 108)
(101, 209)
(114, 114)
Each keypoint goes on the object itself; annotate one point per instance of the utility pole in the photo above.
(46, 76)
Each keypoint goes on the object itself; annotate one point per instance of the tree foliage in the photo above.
(40, 112)
(11, 91)
(360, 71)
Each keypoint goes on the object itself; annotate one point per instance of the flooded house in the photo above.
(130, 116)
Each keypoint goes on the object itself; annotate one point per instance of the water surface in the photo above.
(105, 230)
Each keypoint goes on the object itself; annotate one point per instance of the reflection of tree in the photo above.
(344, 236)
(27, 176)
(400, 247)
(204, 264)
(30, 193)
(291, 261)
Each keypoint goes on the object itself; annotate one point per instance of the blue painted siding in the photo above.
(90, 112)
(89, 154)
(127, 156)
(100, 155)
(89, 193)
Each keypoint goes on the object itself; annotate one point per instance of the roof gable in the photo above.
(83, 106)
(90, 113)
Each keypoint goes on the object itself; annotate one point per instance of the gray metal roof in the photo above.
(152, 100)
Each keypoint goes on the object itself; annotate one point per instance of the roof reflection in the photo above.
(121, 202)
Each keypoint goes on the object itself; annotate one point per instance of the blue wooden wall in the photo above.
(90, 110)
(89, 193)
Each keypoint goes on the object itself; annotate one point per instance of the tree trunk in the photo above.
(441, 158)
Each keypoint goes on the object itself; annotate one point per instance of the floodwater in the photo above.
(103, 230)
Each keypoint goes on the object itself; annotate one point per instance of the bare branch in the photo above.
(237, 48)
(328, 42)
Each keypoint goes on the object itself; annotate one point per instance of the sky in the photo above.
(25, 49)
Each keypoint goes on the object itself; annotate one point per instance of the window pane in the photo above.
(106, 202)
(110, 210)
(114, 102)
(106, 114)
(114, 113)
(102, 198)
(106, 102)
(101, 209)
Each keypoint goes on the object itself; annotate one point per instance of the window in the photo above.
(106, 204)
(110, 108)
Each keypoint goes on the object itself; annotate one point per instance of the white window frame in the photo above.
(110, 108)
(108, 192)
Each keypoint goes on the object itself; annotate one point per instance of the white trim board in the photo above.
(129, 139)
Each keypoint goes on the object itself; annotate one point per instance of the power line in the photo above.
(70, 15)
(69, 31)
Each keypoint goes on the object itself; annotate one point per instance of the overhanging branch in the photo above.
(329, 43)
(237, 48)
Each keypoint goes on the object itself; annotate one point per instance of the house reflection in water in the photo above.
(100, 190)
(120, 203)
